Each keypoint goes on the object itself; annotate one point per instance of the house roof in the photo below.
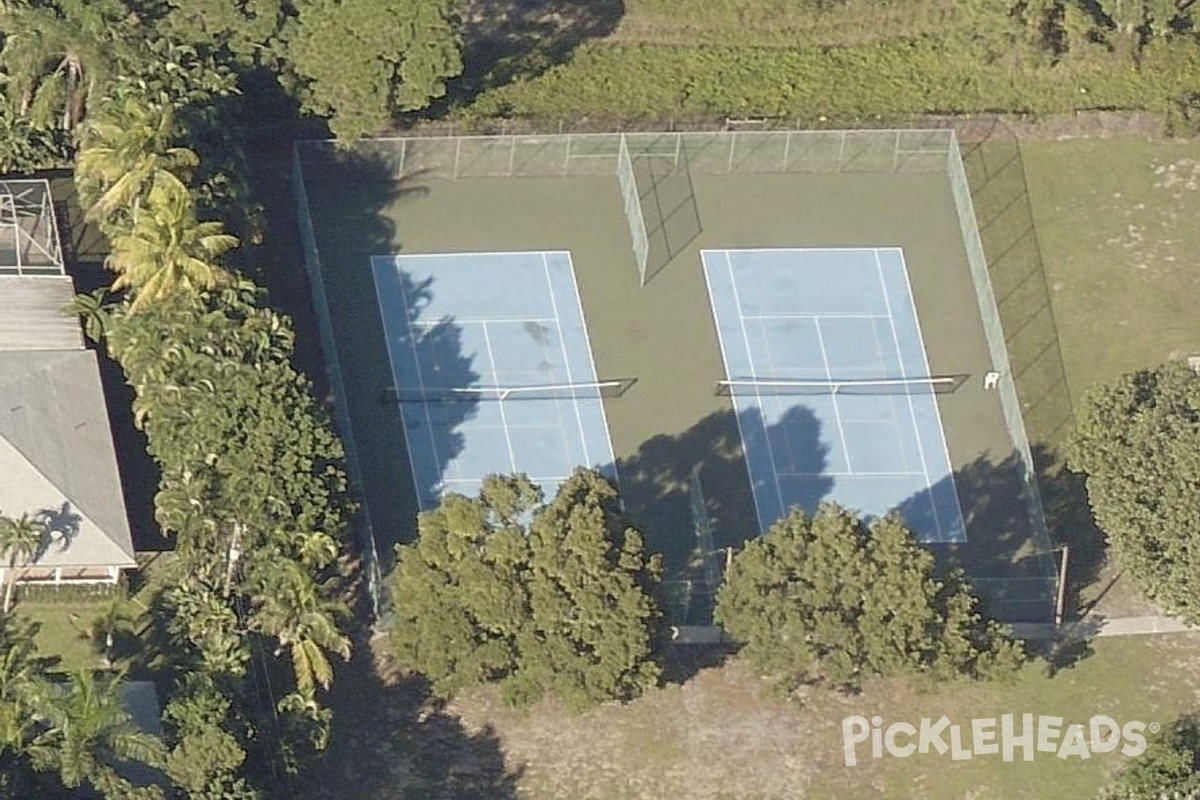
(56, 448)
(33, 318)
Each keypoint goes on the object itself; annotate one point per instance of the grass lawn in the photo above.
(1116, 223)
(61, 623)
(724, 734)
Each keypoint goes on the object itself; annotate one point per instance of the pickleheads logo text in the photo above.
(1010, 736)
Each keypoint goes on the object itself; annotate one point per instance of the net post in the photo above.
(457, 156)
(403, 158)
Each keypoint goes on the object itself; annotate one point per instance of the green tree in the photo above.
(86, 735)
(128, 150)
(555, 598)
(59, 55)
(833, 597)
(1138, 441)
(591, 600)
(290, 608)
(1169, 769)
(168, 251)
(22, 693)
(361, 61)
(20, 541)
(205, 757)
(459, 597)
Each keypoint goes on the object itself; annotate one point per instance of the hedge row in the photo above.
(882, 80)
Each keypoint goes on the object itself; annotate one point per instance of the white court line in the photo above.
(612, 457)
(937, 411)
(473, 254)
(737, 300)
(837, 413)
(912, 411)
(487, 340)
(437, 458)
(800, 250)
(832, 315)
(562, 346)
(852, 474)
(457, 320)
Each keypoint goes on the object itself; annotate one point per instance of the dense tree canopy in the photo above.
(1169, 769)
(361, 61)
(834, 597)
(1138, 440)
(538, 598)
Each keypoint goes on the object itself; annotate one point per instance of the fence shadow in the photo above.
(669, 208)
(996, 173)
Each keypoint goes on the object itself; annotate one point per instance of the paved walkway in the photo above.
(1119, 626)
(1088, 627)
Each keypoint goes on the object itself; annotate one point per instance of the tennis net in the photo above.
(753, 387)
(591, 390)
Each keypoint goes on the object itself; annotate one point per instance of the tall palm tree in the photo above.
(20, 541)
(126, 152)
(288, 606)
(86, 734)
(168, 251)
(58, 56)
(22, 686)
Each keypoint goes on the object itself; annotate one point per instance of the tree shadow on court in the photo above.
(657, 486)
(352, 194)
(391, 740)
(1013, 568)
(506, 40)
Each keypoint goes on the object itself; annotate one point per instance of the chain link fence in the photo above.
(333, 370)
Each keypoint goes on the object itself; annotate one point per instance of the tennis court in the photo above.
(492, 369)
(829, 338)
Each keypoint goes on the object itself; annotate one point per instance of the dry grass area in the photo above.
(725, 734)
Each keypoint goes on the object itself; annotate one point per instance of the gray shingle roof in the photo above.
(32, 317)
(57, 456)
(57, 459)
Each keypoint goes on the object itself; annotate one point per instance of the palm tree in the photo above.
(126, 152)
(20, 539)
(90, 308)
(86, 734)
(289, 607)
(57, 58)
(168, 251)
(22, 686)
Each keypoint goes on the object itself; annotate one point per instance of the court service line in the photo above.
(912, 411)
(562, 346)
(831, 315)
(837, 413)
(937, 412)
(487, 341)
(762, 419)
(851, 474)
(412, 341)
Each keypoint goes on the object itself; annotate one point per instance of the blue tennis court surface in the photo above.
(472, 321)
(833, 315)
